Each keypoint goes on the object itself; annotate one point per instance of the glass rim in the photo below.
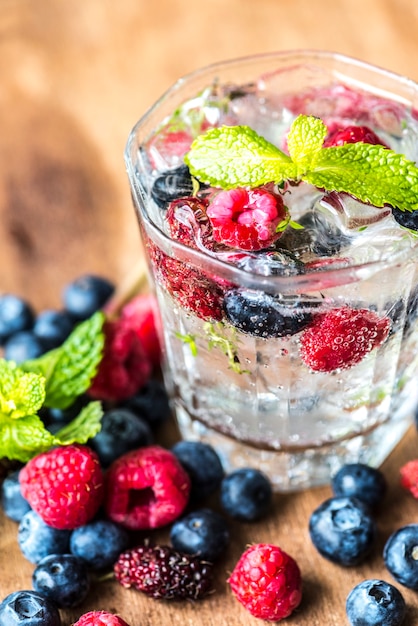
(332, 276)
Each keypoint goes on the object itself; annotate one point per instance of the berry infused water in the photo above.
(277, 198)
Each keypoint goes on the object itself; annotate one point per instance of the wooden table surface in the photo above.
(74, 77)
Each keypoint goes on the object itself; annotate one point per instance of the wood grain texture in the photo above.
(75, 76)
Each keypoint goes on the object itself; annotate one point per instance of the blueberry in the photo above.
(343, 530)
(278, 262)
(53, 327)
(28, 608)
(408, 219)
(37, 540)
(202, 464)
(151, 403)
(63, 416)
(99, 543)
(63, 579)
(172, 184)
(246, 494)
(401, 555)
(23, 346)
(375, 603)
(203, 532)
(15, 315)
(15, 506)
(121, 432)
(265, 315)
(326, 238)
(86, 295)
(361, 481)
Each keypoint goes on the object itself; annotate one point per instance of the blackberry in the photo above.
(265, 315)
(170, 185)
(163, 572)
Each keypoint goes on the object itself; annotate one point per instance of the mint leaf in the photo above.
(371, 173)
(232, 156)
(20, 393)
(21, 439)
(69, 369)
(236, 156)
(189, 340)
(83, 427)
(219, 337)
(304, 140)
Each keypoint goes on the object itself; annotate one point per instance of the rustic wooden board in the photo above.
(75, 76)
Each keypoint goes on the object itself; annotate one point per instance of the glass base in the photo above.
(312, 467)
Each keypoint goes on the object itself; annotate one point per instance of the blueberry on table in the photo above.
(151, 403)
(99, 543)
(37, 540)
(121, 432)
(15, 315)
(202, 464)
(401, 555)
(86, 295)
(14, 505)
(343, 530)
(246, 494)
(203, 533)
(23, 346)
(53, 327)
(63, 579)
(361, 481)
(375, 602)
(28, 608)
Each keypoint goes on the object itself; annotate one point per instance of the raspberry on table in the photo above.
(163, 572)
(341, 338)
(409, 477)
(246, 219)
(64, 485)
(100, 618)
(267, 582)
(146, 488)
(124, 367)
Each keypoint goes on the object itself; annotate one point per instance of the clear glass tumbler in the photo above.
(249, 392)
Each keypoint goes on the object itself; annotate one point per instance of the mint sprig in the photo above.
(69, 369)
(236, 156)
(55, 379)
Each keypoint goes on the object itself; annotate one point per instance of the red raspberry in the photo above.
(193, 289)
(246, 219)
(100, 618)
(64, 485)
(352, 134)
(168, 147)
(124, 367)
(146, 488)
(162, 572)
(341, 338)
(141, 314)
(267, 582)
(409, 477)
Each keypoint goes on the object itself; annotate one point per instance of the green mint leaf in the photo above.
(69, 369)
(233, 156)
(21, 393)
(371, 173)
(305, 139)
(83, 427)
(21, 439)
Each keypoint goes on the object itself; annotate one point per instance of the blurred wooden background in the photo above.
(74, 78)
